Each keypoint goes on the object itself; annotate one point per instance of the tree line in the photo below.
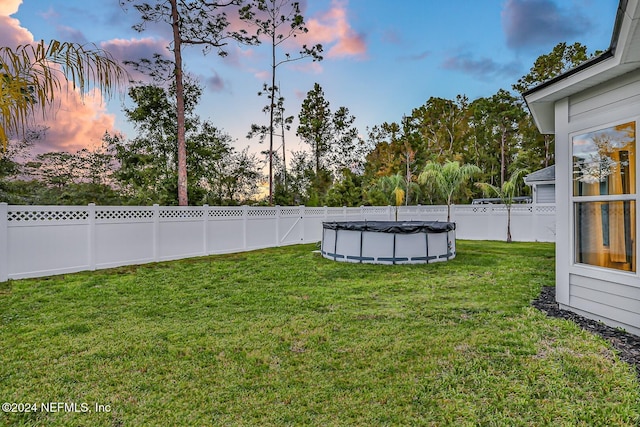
(340, 167)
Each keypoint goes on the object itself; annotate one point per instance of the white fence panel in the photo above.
(226, 230)
(261, 228)
(474, 222)
(181, 232)
(123, 235)
(45, 240)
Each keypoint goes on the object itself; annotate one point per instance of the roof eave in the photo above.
(541, 99)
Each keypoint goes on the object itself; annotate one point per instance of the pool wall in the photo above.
(389, 242)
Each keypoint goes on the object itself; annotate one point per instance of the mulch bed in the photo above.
(627, 345)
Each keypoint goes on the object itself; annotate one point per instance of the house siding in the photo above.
(605, 99)
(607, 295)
(606, 301)
(545, 193)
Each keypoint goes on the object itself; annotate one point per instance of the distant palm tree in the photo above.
(393, 187)
(447, 178)
(33, 75)
(506, 193)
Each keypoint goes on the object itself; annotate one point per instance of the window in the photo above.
(604, 188)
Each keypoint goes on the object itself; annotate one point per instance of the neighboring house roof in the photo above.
(622, 57)
(547, 174)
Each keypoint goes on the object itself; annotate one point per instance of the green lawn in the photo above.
(285, 337)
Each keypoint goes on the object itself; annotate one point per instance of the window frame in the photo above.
(575, 199)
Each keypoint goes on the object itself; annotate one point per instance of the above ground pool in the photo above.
(389, 242)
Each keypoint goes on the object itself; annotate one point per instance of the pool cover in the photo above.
(396, 227)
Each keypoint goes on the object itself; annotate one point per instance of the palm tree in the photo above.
(506, 193)
(33, 75)
(393, 187)
(447, 178)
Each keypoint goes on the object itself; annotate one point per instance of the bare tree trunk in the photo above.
(547, 149)
(284, 153)
(271, 108)
(503, 143)
(182, 145)
(509, 224)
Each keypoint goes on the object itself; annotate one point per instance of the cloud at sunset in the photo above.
(9, 7)
(333, 30)
(12, 33)
(73, 123)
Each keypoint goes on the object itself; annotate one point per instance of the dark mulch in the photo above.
(627, 345)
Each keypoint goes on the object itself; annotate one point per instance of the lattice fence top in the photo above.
(519, 208)
(264, 212)
(47, 215)
(473, 208)
(74, 214)
(423, 209)
(181, 213)
(123, 214)
(225, 212)
(290, 211)
(314, 211)
(375, 210)
(545, 209)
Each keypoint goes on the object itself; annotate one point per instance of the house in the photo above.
(543, 185)
(594, 111)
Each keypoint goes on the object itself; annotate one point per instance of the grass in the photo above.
(285, 337)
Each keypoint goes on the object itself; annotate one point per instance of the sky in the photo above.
(382, 58)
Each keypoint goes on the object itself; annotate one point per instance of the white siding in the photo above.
(546, 193)
(609, 302)
(607, 295)
(613, 97)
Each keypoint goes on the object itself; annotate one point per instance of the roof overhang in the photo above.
(623, 56)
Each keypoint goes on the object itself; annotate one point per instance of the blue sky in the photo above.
(382, 58)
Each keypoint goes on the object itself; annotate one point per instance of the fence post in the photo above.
(534, 222)
(205, 229)
(4, 242)
(303, 218)
(278, 215)
(92, 236)
(156, 232)
(245, 216)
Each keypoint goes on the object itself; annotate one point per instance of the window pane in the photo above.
(606, 234)
(604, 161)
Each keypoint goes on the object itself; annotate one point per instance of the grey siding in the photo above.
(607, 295)
(618, 93)
(546, 193)
(607, 301)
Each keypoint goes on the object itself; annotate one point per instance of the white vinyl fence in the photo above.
(46, 240)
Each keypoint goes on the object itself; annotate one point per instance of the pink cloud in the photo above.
(12, 33)
(9, 7)
(332, 29)
(74, 123)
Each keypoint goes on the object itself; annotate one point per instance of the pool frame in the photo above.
(389, 242)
